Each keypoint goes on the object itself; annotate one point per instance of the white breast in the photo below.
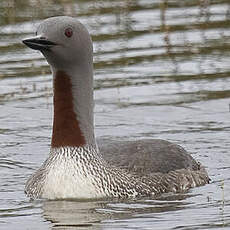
(68, 178)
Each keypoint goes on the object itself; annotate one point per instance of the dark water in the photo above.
(162, 70)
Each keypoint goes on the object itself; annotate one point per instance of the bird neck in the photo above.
(73, 121)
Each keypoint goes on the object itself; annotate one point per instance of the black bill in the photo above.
(39, 43)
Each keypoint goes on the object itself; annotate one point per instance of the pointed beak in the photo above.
(39, 43)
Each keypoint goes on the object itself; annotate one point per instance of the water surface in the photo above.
(161, 71)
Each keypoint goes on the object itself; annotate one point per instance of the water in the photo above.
(161, 71)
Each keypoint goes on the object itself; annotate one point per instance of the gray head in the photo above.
(67, 46)
(64, 42)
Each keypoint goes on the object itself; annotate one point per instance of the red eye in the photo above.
(68, 32)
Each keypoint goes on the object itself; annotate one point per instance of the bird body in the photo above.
(76, 168)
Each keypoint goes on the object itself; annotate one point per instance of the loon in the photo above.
(76, 167)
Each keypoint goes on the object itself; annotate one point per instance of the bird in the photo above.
(77, 167)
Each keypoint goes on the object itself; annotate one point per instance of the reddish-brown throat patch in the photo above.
(66, 130)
